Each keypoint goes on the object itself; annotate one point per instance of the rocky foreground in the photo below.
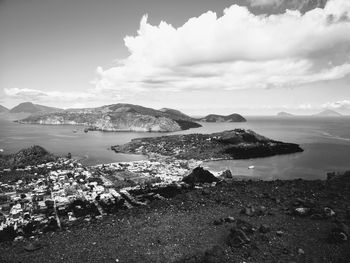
(234, 144)
(234, 221)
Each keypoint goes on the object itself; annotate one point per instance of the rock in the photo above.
(301, 211)
(261, 210)
(227, 174)
(32, 247)
(328, 212)
(206, 191)
(279, 233)
(237, 238)
(340, 232)
(18, 238)
(213, 255)
(218, 222)
(245, 226)
(264, 229)
(200, 176)
(301, 251)
(229, 219)
(249, 211)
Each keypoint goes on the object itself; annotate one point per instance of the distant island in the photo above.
(234, 144)
(118, 117)
(24, 110)
(328, 113)
(284, 114)
(29, 107)
(325, 113)
(222, 118)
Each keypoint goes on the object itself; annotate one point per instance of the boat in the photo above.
(251, 167)
(1, 150)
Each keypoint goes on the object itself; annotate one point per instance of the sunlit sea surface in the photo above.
(326, 144)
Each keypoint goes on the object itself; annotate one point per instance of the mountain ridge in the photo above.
(29, 107)
(118, 117)
(3, 109)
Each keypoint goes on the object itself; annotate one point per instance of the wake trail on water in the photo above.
(329, 135)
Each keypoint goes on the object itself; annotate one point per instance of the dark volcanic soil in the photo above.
(188, 227)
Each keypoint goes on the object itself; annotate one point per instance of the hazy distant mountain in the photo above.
(118, 117)
(3, 109)
(284, 114)
(328, 113)
(221, 118)
(29, 107)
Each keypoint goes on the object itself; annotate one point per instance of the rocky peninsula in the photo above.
(234, 144)
(118, 117)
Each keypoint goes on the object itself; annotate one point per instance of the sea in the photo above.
(325, 140)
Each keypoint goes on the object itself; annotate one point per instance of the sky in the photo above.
(254, 57)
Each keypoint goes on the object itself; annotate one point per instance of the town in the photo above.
(53, 195)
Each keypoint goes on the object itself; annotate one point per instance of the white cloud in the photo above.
(236, 51)
(340, 105)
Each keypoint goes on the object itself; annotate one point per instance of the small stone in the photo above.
(218, 222)
(279, 233)
(329, 212)
(229, 219)
(302, 211)
(264, 229)
(32, 247)
(206, 191)
(301, 251)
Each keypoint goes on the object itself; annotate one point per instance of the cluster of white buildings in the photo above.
(50, 189)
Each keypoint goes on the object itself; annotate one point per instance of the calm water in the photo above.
(326, 142)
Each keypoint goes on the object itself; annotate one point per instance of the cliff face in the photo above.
(119, 117)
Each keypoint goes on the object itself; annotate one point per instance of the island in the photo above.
(118, 117)
(285, 114)
(327, 113)
(233, 144)
(222, 118)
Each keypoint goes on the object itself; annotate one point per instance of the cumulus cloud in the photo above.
(238, 50)
(339, 105)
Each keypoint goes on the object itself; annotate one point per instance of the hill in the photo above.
(177, 113)
(328, 113)
(234, 144)
(3, 109)
(284, 114)
(31, 156)
(29, 107)
(221, 118)
(118, 117)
